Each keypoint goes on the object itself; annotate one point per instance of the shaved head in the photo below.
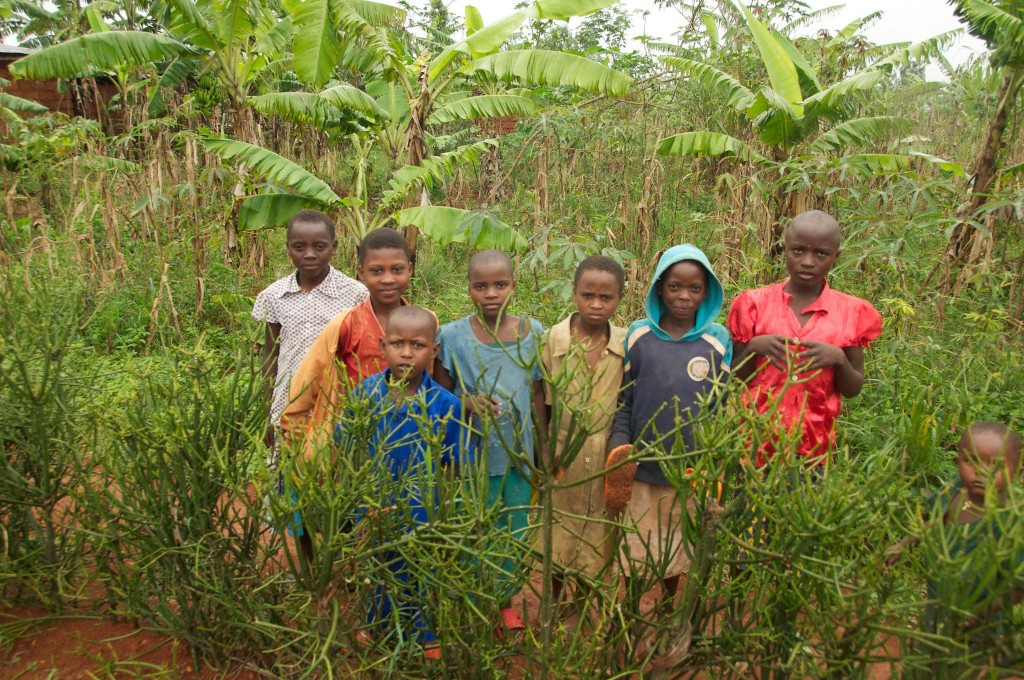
(490, 257)
(816, 224)
(1010, 441)
(412, 317)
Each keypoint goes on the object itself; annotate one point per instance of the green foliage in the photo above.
(42, 432)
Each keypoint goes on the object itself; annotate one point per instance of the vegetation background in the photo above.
(134, 240)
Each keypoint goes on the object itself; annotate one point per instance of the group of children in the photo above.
(622, 395)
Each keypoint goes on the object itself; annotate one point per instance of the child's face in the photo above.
(310, 248)
(811, 250)
(410, 347)
(490, 285)
(386, 273)
(681, 289)
(597, 295)
(982, 459)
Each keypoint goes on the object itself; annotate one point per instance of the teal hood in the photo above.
(709, 309)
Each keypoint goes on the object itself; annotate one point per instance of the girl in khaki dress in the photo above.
(584, 357)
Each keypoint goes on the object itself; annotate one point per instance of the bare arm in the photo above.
(775, 348)
(848, 363)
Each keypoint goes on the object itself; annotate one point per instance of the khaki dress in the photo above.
(584, 400)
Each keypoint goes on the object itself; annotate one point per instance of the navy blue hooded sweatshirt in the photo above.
(664, 376)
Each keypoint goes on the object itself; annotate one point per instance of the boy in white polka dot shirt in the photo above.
(296, 308)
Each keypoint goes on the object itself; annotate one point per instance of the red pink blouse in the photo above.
(809, 399)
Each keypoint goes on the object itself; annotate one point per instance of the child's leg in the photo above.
(511, 492)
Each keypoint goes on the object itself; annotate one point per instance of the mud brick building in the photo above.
(74, 98)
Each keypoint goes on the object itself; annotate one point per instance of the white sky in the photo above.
(902, 20)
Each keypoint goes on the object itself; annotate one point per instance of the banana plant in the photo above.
(406, 96)
(1001, 25)
(794, 113)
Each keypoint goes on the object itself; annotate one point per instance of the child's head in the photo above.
(385, 265)
(989, 452)
(410, 343)
(491, 282)
(311, 243)
(811, 245)
(597, 289)
(681, 289)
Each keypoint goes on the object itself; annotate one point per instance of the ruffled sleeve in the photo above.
(262, 311)
(742, 319)
(869, 325)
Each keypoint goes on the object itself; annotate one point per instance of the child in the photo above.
(346, 351)
(409, 409)
(675, 359)
(583, 355)
(970, 510)
(803, 325)
(349, 348)
(489, 359)
(296, 308)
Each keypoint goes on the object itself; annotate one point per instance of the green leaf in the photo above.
(877, 163)
(781, 71)
(944, 165)
(484, 41)
(992, 23)
(376, 14)
(563, 10)
(100, 163)
(923, 51)
(277, 39)
(833, 99)
(476, 229)
(174, 75)
(711, 28)
(547, 67)
(778, 124)
(271, 210)
(474, 22)
(23, 105)
(738, 96)
(484, 106)
(860, 132)
(108, 51)
(805, 72)
(705, 144)
(1013, 169)
(347, 96)
(298, 107)
(187, 20)
(850, 30)
(436, 168)
(317, 43)
(274, 167)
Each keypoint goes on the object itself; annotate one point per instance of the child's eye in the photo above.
(606, 298)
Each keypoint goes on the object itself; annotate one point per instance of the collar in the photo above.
(821, 304)
(330, 286)
(425, 384)
(560, 338)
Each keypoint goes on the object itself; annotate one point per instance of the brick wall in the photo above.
(45, 92)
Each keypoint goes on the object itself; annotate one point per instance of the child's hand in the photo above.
(820, 355)
(774, 348)
(482, 404)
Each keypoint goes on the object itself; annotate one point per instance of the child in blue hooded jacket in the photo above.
(674, 358)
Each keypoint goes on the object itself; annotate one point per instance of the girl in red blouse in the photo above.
(802, 325)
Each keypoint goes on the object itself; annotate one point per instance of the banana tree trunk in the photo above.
(964, 250)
